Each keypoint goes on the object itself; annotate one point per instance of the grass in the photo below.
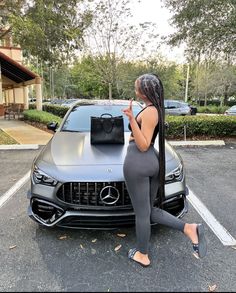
(6, 139)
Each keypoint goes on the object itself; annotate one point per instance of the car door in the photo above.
(173, 108)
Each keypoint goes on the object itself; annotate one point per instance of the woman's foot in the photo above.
(139, 257)
(196, 233)
(190, 230)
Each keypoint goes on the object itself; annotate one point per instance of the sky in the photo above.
(154, 11)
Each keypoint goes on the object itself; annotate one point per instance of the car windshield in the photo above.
(79, 118)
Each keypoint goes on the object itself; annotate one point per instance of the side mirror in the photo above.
(52, 126)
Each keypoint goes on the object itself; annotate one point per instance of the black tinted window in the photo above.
(173, 105)
(80, 117)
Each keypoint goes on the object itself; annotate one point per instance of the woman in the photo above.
(144, 171)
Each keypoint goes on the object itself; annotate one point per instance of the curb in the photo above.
(196, 142)
(19, 147)
(173, 143)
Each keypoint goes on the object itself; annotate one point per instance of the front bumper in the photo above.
(51, 214)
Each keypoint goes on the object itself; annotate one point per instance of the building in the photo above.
(15, 78)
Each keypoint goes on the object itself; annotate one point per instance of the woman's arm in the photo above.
(149, 119)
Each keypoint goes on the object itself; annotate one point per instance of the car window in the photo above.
(79, 118)
(173, 105)
(183, 104)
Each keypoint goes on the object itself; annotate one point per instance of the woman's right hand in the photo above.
(129, 111)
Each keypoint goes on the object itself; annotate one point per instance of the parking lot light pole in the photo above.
(186, 86)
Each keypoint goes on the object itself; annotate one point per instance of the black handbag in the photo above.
(107, 130)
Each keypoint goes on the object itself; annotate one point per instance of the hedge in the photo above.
(41, 116)
(201, 125)
(56, 110)
(212, 109)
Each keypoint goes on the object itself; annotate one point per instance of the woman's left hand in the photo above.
(129, 111)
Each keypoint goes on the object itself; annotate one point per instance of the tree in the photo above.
(87, 78)
(90, 83)
(205, 25)
(112, 39)
(47, 29)
(215, 78)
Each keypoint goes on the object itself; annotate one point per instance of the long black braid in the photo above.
(152, 87)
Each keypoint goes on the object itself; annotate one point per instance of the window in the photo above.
(79, 117)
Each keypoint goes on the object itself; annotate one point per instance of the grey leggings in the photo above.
(141, 176)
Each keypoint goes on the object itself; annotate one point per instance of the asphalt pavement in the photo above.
(34, 258)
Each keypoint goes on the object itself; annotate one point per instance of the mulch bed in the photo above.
(39, 125)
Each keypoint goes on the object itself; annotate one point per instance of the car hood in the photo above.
(74, 149)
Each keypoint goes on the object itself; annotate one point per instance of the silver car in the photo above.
(175, 107)
(78, 185)
(231, 111)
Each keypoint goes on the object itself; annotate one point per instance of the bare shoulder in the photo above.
(150, 114)
(151, 110)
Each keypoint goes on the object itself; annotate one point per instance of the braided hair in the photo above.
(151, 86)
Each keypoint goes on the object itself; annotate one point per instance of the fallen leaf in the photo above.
(12, 247)
(212, 288)
(94, 240)
(81, 246)
(63, 237)
(118, 247)
(93, 251)
(121, 235)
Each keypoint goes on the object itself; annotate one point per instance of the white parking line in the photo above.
(7, 195)
(223, 235)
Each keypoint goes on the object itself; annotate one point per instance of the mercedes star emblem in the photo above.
(109, 195)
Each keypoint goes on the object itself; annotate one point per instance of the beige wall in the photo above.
(19, 95)
(6, 82)
(10, 96)
(14, 53)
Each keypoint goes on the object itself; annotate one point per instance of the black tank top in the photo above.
(156, 130)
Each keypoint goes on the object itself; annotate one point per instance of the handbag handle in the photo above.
(112, 123)
(106, 114)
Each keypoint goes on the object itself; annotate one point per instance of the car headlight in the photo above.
(175, 175)
(41, 177)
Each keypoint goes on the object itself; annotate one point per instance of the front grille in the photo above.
(87, 194)
(94, 222)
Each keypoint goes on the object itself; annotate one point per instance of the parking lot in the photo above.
(39, 259)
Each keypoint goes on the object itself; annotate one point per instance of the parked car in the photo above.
(193, 109)
(78, 185)
(231, 111)
(57, 102)
(175, 107)
(69, 102)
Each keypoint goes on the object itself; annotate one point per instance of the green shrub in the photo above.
(199, 125)
(41, 116)
(212, 109)
(211, 126)
(32, 106)
(56, 110)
